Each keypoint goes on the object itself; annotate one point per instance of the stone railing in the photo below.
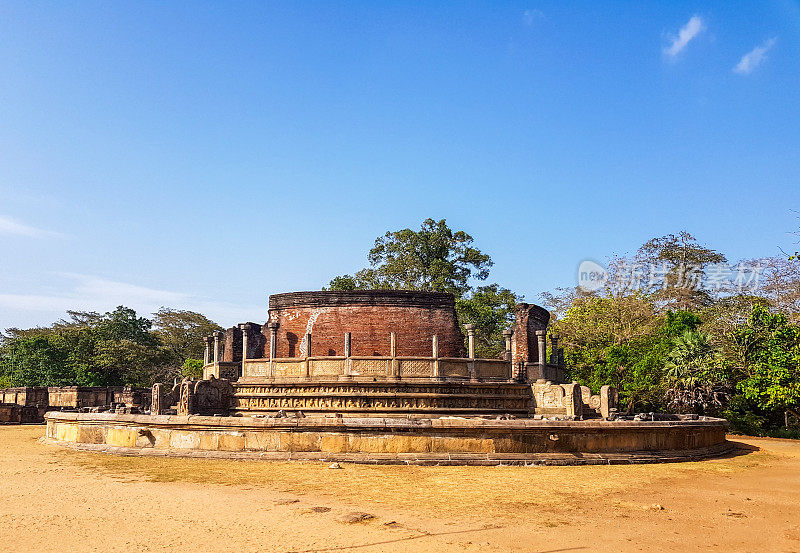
(362, 367)
(222, 369)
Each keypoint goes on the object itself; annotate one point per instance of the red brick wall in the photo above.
(525, 344)
(369, 316)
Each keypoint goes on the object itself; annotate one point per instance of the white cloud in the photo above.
(753, 58)
(10, 226)
(529, 17)
(692, 28)
(92, 293)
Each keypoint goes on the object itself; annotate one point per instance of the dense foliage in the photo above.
(90, 349)
(725, 344)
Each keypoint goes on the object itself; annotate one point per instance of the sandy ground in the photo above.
(64, 501)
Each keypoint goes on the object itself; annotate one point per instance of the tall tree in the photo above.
(682, 260)
(182, 332)
(434, 258)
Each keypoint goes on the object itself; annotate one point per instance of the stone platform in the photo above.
(384, 440)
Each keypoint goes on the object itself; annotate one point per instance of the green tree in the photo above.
(438, 259)
(771, 355)
(695, 381)
(192, 368)
(435, 258)
(491, 309)
(182, 332)
(115, 348)
(684, 261)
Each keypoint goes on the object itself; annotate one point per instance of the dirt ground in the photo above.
(64, 501)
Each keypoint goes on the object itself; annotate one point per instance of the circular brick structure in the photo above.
(370, 316)
(443, 441)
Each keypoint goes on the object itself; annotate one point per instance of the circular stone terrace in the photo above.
(384, 377)
(386, 440)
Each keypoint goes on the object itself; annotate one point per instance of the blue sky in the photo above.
(206, 155)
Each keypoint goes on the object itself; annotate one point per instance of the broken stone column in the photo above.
(608, 401)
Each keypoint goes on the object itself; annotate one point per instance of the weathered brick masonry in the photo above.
(370, 316)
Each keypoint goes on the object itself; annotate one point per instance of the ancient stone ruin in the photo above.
(388, 376)
(29, 404)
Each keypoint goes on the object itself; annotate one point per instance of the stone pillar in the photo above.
(348, 351)
(470, 328)
(507, 333)
(554, 349)
(540, 337)
(245, 328)
(207, 351)
(217, 335)
(273, 347)
(435, 356)
(507, 355)
(394, 370)
(308, 355)
(273, 340)
(471, 368)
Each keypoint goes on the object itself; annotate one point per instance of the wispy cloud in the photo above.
(11, 227)
(754, 57)
(688, 32)
(93, 293)
(529, 17)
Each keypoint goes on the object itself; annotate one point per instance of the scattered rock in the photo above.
(334, 466)
(287, 501)
(355, 517)
(320, 509)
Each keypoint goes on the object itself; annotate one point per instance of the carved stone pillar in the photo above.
(217, 336)
(470, 328)
(554, 349)
(435, 356)
(540, 337)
